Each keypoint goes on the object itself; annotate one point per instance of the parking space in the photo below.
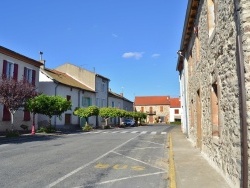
(140, 161)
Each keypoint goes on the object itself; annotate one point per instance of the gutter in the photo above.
(242, 98)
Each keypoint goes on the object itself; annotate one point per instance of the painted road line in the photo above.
(139, 161)
(124, 131)
(163, 132)
(144, 132)
(115, 132)
(120, 179)
(104, 132)
(154, 143)
(153, 133)
(91, 162)
(134, 132)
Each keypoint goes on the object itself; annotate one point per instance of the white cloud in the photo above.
(114, 35)
(155, 55)
(136, 55)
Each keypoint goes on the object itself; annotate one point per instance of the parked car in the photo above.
(128, 122)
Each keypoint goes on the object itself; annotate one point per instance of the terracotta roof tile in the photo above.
(152, 100)
(175, 103)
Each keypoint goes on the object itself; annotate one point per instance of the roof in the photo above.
(175, 103)
(188, 28)
(20, 57)
(65, 79)
(152, 100)
(119, 96)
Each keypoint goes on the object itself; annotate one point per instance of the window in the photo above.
(197, 46)
(26, 115)
(29, 75)
(214, 110)
(176, 111)
(161, 108)
(67, 119)
(210, 16)
(10, 70)
(103, 104)
(142, 109)
(86, 101)
(102, 87)
(68, 97)
(112, 104)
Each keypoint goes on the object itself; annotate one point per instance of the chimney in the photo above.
(121, 94)
(41, 60)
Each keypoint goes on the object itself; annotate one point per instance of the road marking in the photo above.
(144, 132)
(120, 167)
(115, 132)
(138, 168)
(102, 166)
(163, 132)
(154, 143)
(142, 148)
(153, 133)
(91, 162)
(134, 132)
(124, 131)
(138, 160)
(104, 132)
(125, 178)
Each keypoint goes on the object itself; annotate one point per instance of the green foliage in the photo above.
(107, 127)
(86, 112)
(107, 112)
(48, 105)
(87, 128)
(12, 133)
(46, 129)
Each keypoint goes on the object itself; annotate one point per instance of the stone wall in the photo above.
(214, 61)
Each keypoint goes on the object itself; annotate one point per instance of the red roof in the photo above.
(152, 100)
(175, 103)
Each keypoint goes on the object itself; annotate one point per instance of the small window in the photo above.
(10, 70)
(142, 109)
(161, 108)
(68, 97)
(176, 111)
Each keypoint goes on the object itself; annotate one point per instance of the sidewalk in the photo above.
(191, 169)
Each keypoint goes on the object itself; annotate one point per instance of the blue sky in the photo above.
(131, 42)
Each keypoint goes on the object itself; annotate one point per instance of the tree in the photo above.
(86, 112)
(121, 113)
(14, 94)
(49, 105)
(107, 112)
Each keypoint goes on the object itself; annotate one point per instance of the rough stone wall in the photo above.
(218, 64)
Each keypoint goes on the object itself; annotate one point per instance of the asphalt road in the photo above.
(120, 158)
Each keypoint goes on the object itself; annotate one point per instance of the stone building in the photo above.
(214, 67)
(157, 108)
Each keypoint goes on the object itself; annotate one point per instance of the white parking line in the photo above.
(163, 132)
(153, 133)
(125, 178)
(91, 162)
(115, 132)
(144, 132)
(124, 131)
(134, 132)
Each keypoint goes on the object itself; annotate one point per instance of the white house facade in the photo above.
(17, 66)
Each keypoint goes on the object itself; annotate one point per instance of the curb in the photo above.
(171, 163)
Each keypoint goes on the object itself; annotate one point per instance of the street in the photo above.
(130, 157)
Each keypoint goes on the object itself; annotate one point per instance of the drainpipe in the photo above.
(185, 95)
(242, 98)
(57, 84)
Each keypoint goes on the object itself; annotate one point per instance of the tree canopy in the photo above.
(49, 105)
(87, 112)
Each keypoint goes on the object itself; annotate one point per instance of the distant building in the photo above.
(118, 101)
(175, 110)
(157, 108)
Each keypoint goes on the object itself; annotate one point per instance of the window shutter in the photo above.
(33, 77)
(15, 72)
(6, 114)
(26, 115)
(4, 68)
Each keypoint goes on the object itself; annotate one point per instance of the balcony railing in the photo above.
(151, 112)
